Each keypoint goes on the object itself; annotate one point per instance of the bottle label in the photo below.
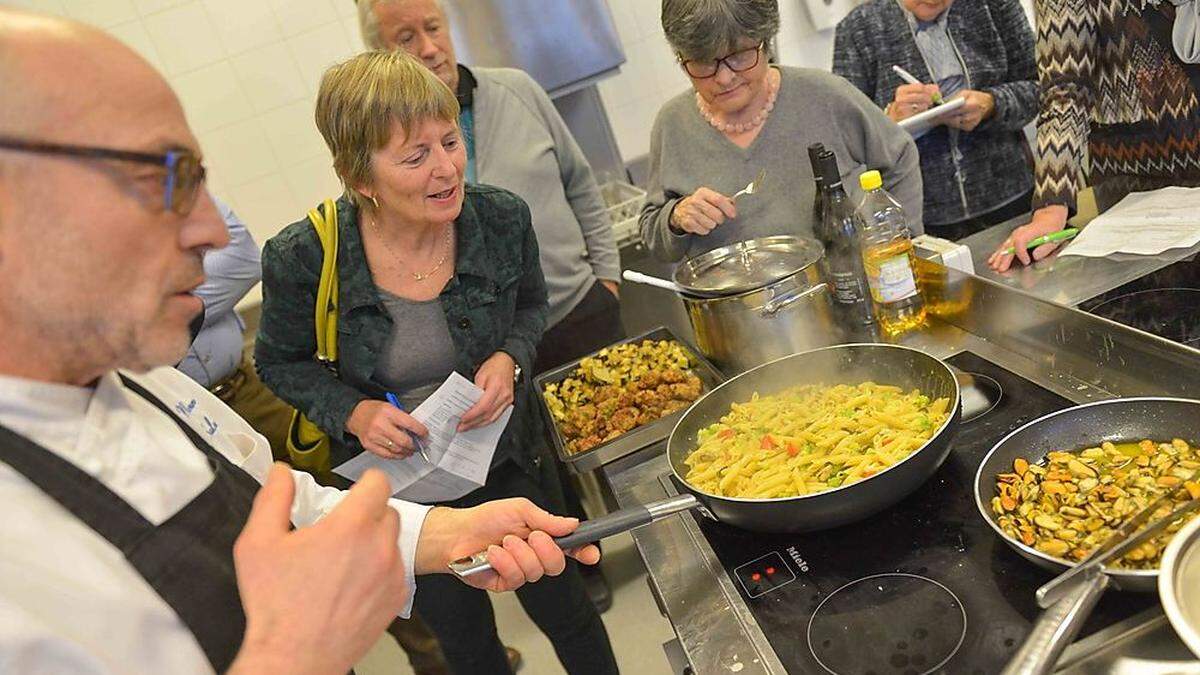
(894, 280)
(846, 288)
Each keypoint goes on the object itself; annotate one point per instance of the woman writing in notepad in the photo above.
(975, 162)
(434, 276)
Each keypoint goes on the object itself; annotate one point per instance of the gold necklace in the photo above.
(417, 276)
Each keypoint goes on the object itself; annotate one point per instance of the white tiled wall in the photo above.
(247, 74)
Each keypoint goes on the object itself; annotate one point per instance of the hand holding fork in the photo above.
(705, 209)
(753, 187)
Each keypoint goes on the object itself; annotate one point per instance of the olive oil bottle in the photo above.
(889, 259)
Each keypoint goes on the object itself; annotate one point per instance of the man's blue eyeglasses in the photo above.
(181, 184)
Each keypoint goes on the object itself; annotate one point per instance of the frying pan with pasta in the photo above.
(896, 366)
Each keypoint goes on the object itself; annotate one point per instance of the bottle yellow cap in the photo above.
(870, 180)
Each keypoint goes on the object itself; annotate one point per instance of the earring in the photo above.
(375, 202)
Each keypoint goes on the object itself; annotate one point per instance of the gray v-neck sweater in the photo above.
(812, 106)
(524, 146)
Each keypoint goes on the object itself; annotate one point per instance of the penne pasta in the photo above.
(811, 438)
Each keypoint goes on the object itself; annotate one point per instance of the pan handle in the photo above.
(1057, 627)
(594, 529)
(776, 305)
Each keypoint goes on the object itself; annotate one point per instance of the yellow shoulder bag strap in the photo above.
(325, 309)
(307, 445)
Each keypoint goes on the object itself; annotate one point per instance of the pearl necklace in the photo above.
(417, 276)
(741, 127)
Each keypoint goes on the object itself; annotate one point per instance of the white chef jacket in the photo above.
(69, 601)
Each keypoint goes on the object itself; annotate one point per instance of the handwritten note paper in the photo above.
(1143, 223)
(458, 461)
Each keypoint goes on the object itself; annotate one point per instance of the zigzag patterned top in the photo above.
(1112, 85)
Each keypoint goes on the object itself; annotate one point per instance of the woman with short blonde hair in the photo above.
(363, 99)
(435, 276)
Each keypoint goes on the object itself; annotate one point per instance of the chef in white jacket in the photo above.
(136, 536)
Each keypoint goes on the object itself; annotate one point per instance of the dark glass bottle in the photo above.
(814, 153)
(838, 232)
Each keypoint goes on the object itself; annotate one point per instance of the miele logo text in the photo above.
(800, 564)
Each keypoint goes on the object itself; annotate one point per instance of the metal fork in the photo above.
(754, 186)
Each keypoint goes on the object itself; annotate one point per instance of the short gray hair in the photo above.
(707, 29)
(368, 23)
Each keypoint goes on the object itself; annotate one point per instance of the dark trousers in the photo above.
(594, 324)
(462, 616)
(968, 227)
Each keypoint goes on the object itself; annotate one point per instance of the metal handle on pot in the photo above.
(776, 305)
(1057, 627)
(594, 529)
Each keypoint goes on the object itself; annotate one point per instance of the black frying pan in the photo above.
(843, 364)
(1121, 420)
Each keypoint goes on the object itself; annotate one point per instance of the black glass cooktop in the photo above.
(1165, 303)
(924, 587)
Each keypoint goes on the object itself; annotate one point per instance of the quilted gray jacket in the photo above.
(965, 174)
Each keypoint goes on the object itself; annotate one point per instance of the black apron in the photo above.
(187, 560)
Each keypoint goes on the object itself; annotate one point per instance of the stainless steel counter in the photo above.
(1077, 355)
(1070, 280)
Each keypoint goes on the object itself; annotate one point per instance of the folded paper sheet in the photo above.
(1143, 223)
(458, 461)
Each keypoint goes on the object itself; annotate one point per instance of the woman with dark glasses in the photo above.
(745, 115)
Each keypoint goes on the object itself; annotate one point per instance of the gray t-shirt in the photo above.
(686, 153)
(419, 354)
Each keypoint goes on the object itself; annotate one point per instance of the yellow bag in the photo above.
(307, 445)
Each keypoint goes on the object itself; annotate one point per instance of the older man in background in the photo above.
(126, 483)
(517, 140)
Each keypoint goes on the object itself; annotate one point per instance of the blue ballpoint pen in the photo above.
(394, 400)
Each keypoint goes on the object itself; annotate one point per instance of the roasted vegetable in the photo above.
(620, 388)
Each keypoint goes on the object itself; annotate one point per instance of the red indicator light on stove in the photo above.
(770, 571)
(755, 577)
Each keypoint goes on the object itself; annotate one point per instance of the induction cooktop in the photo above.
(923, 587)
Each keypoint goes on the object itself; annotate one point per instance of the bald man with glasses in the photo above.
(147, 529)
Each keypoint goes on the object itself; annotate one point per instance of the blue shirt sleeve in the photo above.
(230, 272)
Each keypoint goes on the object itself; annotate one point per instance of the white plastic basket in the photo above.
(624, 206)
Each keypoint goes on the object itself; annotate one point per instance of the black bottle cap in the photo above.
(828, 168)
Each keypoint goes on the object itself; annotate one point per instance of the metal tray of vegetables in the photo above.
(622, 398)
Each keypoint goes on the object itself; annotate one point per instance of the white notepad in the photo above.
(922, 122)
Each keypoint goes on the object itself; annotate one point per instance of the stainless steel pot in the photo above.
(1179, 584)
(756, 301)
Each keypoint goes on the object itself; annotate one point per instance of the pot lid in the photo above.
(747, 265)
